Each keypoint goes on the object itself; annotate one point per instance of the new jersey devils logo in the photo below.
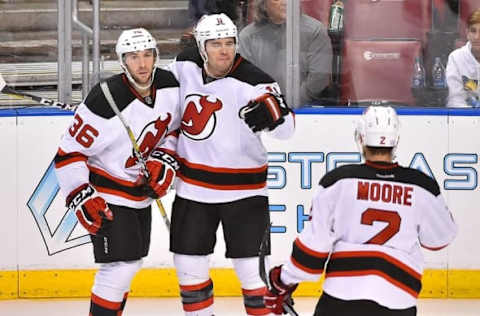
(199, 118)
(151, 134)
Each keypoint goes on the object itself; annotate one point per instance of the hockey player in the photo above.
(102, 179)
(371, 219)
(227, 104)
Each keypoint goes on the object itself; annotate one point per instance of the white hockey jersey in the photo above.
(96, 148)
(371, 219)
(222, 160)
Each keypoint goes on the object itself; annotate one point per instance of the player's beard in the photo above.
(142, 79)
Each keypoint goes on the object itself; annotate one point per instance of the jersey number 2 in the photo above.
(374, 215)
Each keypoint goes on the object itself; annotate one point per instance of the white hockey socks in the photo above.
(196, 287)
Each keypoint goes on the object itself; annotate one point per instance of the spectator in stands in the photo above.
(198, 8)
(263, 42)
(463, 68)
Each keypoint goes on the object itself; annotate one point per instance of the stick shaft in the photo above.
(27, 96)
(136, 149)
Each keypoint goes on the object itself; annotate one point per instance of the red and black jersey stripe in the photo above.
(382, 171)
(105, 183)
(223, 178)
(358, 263)
(307, 259)
(62, 158)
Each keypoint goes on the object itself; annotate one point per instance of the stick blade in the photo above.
(2, 83)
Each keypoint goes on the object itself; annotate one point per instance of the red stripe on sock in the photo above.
(257, 311)
(198, 306)
(255, 292)
(195, 286)
(105, 303)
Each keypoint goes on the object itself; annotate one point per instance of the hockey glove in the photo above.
(91, 209)
(279, 293)
(266, 111)
(161, 168)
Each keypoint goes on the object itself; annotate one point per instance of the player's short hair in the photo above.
(474, 18)
(379, 150)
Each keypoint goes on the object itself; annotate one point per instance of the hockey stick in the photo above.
(264, 245)
(136, 149)
(22, 95)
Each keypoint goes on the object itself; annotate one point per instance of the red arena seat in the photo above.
(318, 9)
(465, 8)
(367, 19)
(378, 70)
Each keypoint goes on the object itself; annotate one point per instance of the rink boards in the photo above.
(45, 254)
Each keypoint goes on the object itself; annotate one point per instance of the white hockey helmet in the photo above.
(134, 40)
(378, 127)
(214, 26)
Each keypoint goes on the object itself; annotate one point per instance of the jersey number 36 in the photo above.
(85, 134)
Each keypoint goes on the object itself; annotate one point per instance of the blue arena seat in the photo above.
(378, 70)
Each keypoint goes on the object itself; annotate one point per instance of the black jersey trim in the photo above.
(135, 192)
(98, 104)
(370, 264)
(306, 259)
(396, 174)
(123, 93)
(222, 180)
(247, 72)
(164, 79)
(191, 54)
(62, 159)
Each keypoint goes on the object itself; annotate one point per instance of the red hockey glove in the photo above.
(266, 111)
(279, 293)
(91, 210)
(162, 168)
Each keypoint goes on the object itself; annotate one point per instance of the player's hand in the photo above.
(279, 293)
(91, 209)
(161, 168)
(266, 111)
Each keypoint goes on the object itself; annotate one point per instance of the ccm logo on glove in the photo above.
(91, 209)
(161, 168)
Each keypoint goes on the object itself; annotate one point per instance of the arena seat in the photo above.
(406, 19)
(378, 70)
(440, 7)
(319, 9)
(465, 8)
